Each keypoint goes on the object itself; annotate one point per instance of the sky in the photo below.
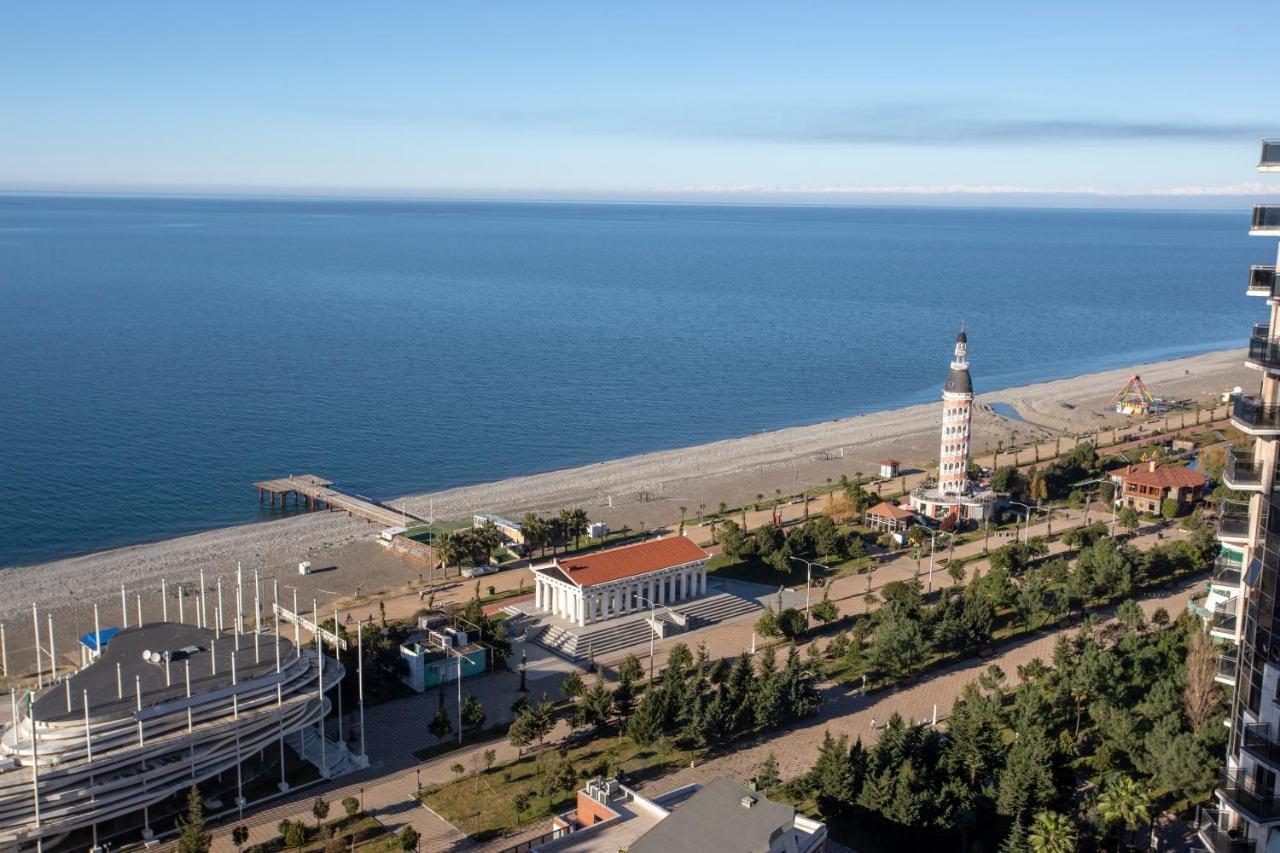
(1086, 102)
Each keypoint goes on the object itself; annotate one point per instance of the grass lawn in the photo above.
(754, 570)
(425, 532)
(482, 804)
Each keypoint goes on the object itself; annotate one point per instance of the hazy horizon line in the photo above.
(944, 195)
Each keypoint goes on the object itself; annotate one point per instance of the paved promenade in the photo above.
(399, 727)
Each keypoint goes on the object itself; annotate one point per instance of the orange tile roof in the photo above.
(630, 560)
(893, 511)
(1163, 477)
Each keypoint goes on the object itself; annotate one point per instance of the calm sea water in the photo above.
(157, 355)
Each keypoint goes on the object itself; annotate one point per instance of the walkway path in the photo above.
(397, 728)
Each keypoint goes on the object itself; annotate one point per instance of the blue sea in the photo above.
(158, 355)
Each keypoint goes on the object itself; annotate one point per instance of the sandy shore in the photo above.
(645, 490)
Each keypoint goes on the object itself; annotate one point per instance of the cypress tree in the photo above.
(193, 838)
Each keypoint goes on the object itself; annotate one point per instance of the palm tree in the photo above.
(449, 549)
(1052, 833)
(1123, 803)
(534, 530)
(488, 537)
(566, 527)
(579, 524)
(683, 510)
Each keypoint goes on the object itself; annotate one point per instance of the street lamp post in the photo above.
(1027, 525)
(808, 581)
(933, 546)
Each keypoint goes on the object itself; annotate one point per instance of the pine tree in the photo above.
(715, 723)
(907, 798)
(1026, 784)
(645, 725)
(768, 776)
(832, 776)
(976, 747)
(193, 838)
(798, 694)
(1016, 840)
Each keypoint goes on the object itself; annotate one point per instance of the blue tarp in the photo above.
(90, 640)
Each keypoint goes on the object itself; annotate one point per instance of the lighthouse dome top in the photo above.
(958, 382)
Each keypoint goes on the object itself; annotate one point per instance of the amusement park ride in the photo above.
(1136, 399)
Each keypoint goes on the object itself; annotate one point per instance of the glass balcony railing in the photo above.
(1258, 743)
(1254, 413)
(1242, 470)
(1266, 217)
(1263, 351)
(1226, 573)
(1259, 804)
(1233, 520)
(1226, 616)
(1228, 665)
(1262, 280)
(1214, 828)
(1270, 154)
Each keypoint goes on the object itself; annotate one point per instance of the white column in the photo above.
(582, 607)
(702, 572)
(662, 588)
(537, 592)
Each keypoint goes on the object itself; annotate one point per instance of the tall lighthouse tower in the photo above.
(957, 416)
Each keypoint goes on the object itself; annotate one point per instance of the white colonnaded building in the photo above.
(608, 584)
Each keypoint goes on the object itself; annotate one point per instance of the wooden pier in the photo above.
(312, 492)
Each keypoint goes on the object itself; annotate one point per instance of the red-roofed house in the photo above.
(1147, 486)
(611, 583)
(888, 517)
(889, 468)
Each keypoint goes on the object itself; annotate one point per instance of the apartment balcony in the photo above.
(1262, 281)
(1213, 826)
(1266, 220)
(1251, 415)
(1259, 806)
(1225, 621)
(1226, 574)
(1258, 743)
(1227, 667)
(1233, 521)
(1270, 161)
(1264, 353)
(1243, 473)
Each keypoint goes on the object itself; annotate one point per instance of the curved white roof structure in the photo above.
(127, 732)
